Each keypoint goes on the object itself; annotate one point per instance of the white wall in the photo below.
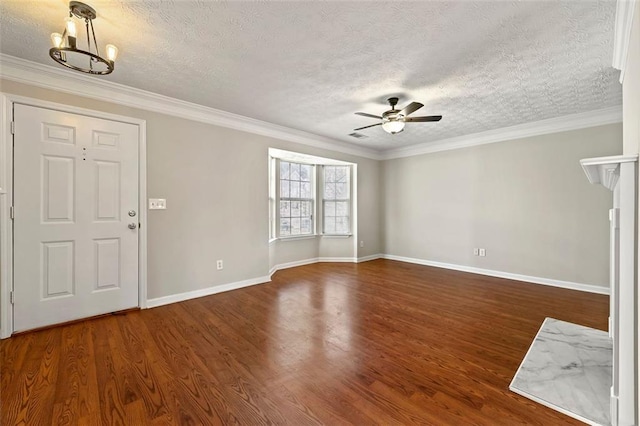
(631, 120)
(631, 89)
(215, 181)
(527, 202)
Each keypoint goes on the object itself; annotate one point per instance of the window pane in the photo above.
(295, 171)
(342, 191)
(342, 225)
(305, 208)
(329, 208)
(342, 208)
(295, 189)
(284, 209)
(305, 190)
(329, 174)
(284, 189)
(330, 191)
(341, 174)
(285, 227)
(295, 226)
(284, 170)
(295, 209)
(330, 225)
(305, 172)
(305, 226)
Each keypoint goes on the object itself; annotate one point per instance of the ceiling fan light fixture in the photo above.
(393, 126)
(66, 52)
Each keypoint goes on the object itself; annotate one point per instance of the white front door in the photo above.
(75, 216)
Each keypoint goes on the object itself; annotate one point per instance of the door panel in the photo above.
(58, 266)
(107, 263)
(75, 180)
(58, 188)
(107, 190)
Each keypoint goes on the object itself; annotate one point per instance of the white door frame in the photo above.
(6, 197)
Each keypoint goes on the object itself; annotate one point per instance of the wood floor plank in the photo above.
(380, 342)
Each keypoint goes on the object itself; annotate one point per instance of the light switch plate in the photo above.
(157, 203)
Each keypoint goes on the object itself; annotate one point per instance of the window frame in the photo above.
(276, 228)
(348, 200)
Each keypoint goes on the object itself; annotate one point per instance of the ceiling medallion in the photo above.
(65, 49)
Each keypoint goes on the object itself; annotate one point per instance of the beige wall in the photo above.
(215, 181)
(527, 202)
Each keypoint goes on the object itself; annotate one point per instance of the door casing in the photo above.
(6, 198)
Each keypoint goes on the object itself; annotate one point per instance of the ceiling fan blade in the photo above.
(364, 114)
(366, 127)
(423, 119)
(412, 107)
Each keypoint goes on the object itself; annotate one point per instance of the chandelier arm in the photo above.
(95, 43)
(86, 24)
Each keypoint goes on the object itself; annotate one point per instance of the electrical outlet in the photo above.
(476, 252)
(361, 243)
(219, 265)
(157, 203)
(483, 252)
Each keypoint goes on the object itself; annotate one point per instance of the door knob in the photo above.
(132, 213)
(132, 226)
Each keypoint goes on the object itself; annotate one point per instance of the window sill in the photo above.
(337, 235)
(297, 237)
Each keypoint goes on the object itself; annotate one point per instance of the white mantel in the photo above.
(619, 174)
(605, 170)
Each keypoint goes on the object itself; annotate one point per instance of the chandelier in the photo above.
(65, 50)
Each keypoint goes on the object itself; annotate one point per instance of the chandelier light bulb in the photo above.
(70, 25)
(112, 52)
(56, 39)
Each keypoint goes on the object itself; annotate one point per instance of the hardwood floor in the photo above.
(380, 342)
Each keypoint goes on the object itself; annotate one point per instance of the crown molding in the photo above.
(622, 36)
(49, 77)
(553, 125)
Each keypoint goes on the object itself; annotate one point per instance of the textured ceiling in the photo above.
(309, 65)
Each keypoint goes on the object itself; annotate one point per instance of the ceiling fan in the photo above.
(393, 120)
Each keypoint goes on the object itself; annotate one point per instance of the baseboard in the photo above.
(293, 264)
(368, 258)
(499, 274)
(165, 300)
(319, 260)
(338, 259)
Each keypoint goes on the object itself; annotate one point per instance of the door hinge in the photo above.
(11, 297)
(11, 216)
(13, 127)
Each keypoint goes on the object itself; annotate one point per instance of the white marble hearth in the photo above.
(568, 368)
